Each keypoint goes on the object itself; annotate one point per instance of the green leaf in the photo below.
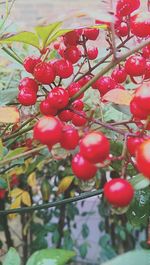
(139, 182)
(85, 231)
(137, 257)
(122, 108)
(83, 249)
(1, 148)
(56, 35)
(15, 152)
(23, 37)
(8, 95)
(12, 257)
(50, 256)
(104, 240)
(3, 183)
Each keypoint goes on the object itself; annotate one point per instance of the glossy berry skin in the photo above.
(83, 169)
(70, 137)
(58, 97)
(63, 68)
(65, 115)
(30, 62)
(83, 81)
(77, 104)
(136, 111)
(73, 89)
(135, 65)
(121, 29)
(119, 74)
(29, 83)
(71, 38)
(143, 97)
(48, 130)
(126, 7)
(27, 97)
(147, 70)
(92, 53)
(72, 54)
(78, 120)
(133, 143)
(146, 52)
(46, 109)
(140, 25)
(104, 84)
(44, 73)
(95, 147)
(91, 34)
(143, 158)
(118, 192)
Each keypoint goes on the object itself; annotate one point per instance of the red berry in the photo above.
(79, 120)
(65, 115)
(27, 96)
(118, 192)
(83, 81)
(126, 7)
(143, 158)
(73, 89)
(70, 138)
(121, 28)
(147, 70)
(95, 147)
(92, 53)
(2, 193)
(47, 109)
(146, 52)
(143, 97)
(72, 54)
(71, 38)
(63, 68)
(119, 74)
(30, 62)
(83, 169)
(91, 33)
(133, 143)
(48, 130)
(135, 65)
(44, 73)
(29, 83)
(104, 84)
(58, 97)
(56, 45)
(140, 25)
(137, 112)
(77, 104)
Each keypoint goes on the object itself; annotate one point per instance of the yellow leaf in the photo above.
(9, 115)
(32, 180)
(16, 192)
(118, 96)
(26, 198)
(16, 204)
(65, 184)
(17, 170)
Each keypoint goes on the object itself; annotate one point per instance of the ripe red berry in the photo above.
(92, 53)
(95, 147)
(118, 192)
(135, 65)
(30, 62)
(126, 7)
(27, 96)
(73, 89)
(121, 28)
(147, 70)
(119, 74)
(83, 169)
(77, 104)
(137, 112)
(104, 84)
(140, 25)
(48, 130)
(44, 73)
(79, 120)
(47, 109)
(83, 81)
(91, 33)
(65, 115)
(63, 68)
(71, 38)
(29, 83)
(70, 137)
(72, 54)
(143, 158)
(58, 97)
(146, 52)
(133, 143)
(143, 97)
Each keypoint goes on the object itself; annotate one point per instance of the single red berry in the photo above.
(126, 7)
(79, 120)
(48, 130)
(70, 138)
(2, 193)
(73, 89)
(119, 74)
(58, 97)
(83, 169)
(146, 52)
(72, 54)
(118, 192)
(71, 38)
(135, 65)
(143, 97)
(140, 25)
(95, 147)
(136, 111)
(121, 28)
(27, 96)
(77, 104)
(61, 51)
(143, 158)
(104, 84)
(47, 109)
(65, 115)
(147, 70)
(30, 62)
(44, 73)
(133, 143)
(91, 33)
(92, 53)
(29, 83)
(63, 68)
